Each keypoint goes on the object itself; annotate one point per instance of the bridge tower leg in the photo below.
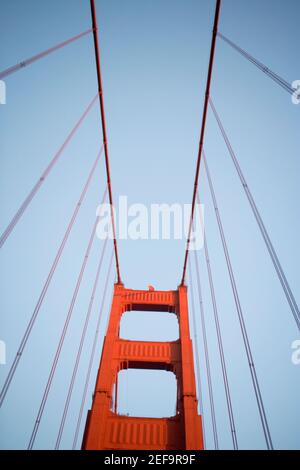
(106, 429)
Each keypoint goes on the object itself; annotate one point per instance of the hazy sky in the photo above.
(154, 65)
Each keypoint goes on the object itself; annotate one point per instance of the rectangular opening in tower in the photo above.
(146, 393)
(149, 326)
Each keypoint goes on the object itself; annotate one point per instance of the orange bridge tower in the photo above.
(106, 429)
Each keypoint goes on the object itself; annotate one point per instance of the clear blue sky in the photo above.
(154, 63)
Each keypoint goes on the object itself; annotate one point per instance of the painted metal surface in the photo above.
(105, 429)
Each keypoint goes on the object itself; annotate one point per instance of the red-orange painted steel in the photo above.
(105, 429)
(104, 133)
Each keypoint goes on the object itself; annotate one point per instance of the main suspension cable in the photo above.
(36, 57)
(259, 400)
(37, 308)
(203, 125)
(271, 250)
(63, 335)
(7, 232)
(91, 361)
(78, 356)
(276, 78)
(104, 133)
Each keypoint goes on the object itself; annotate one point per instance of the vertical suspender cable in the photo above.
(206, 353)
(220, 346)
(272, 252)
(255, 383)
(93, 350)
(26, 62)
(7, 232)
(276, 78)
(75, 369)
(62, 337)
(41, 298)
(200, 397)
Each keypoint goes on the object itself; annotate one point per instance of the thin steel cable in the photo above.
(220, 346)
(36, 57)
(202, 132)
(200, 398)
(82, 339)
(271, 250)
(39, 303)
(104, 134)
(259, 400)
(274, 76)
(93, 350)
(206, 352)
(7, 232)
(63, 335)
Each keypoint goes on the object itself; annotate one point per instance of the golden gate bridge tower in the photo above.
(105, 429)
